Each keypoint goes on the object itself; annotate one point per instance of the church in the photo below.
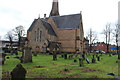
(63, 33)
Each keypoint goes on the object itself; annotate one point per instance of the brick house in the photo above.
(64, 31)
(101, 46)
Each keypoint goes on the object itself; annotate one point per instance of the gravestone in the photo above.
(81, 64)
(27, 55)
(18, 73)
(98, 58)
(62, 55)
(83, 56)
(54, 56)
(96, 55)
(16, 53)
(35, 53)
(88, 61)
(93, 59)
(3, 58)
(70, 56)
(65, 56)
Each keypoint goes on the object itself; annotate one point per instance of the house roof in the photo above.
(46, 25)
(68, 21)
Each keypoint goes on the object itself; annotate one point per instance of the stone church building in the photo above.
(64, 32)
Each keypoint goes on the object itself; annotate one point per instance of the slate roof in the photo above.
(67, 21)
(49, 28)
(46, 25)
(62, 22)
(31, 27)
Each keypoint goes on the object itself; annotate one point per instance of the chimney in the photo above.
(44, 15)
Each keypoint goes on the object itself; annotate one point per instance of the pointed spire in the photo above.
(55, 8)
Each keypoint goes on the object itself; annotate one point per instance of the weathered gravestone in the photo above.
(65, 56)
(98, 58)
(81, 62)
(88, 61)
(27, 55)
(35, 53)
(54, 56)
(70, 56)
(16, 53)
(96, 55)
(18, 73)
(62, 55)
(83, 56)
(3, 58)
(93, 59)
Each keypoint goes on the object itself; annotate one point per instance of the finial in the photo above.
(81, 12)
(55, 0)
(39, 16)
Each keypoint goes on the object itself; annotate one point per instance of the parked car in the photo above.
(97, 51)
(103, 52)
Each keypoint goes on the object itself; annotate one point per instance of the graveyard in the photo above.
(44, 66)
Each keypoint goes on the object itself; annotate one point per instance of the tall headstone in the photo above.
(81, 64)
(98, 58)
(3, 58)
(18, 73)
(65, 56)
(83, 56)
(93, 59)
(27, 55)
(54, 56)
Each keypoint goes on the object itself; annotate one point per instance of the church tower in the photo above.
(55, 8)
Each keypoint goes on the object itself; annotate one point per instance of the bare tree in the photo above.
(19, 32)
(116, 34)
(10, 37)
(92, 36)
(107, 32)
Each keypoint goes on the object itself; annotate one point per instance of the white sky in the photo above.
(96, 13)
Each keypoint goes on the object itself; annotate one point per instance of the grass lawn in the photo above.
(44, 67)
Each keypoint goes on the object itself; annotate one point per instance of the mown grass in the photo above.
(55, 69)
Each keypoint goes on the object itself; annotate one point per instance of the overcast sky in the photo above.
(96, 13)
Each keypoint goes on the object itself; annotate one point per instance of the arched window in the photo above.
(35, 36)
(40, 34)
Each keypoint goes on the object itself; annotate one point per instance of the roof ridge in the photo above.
(67, 15)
